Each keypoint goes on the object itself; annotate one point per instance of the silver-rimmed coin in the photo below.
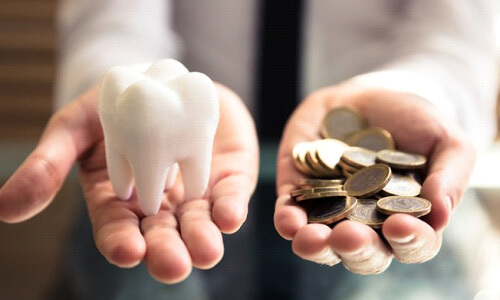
(330, 211)
(366, 212)
(401, 160)
(373, 138)
(414, 206)
(359, 157)
(402, 185)
(340, 122)
(368, 181)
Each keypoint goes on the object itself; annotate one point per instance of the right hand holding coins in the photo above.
(355, 172)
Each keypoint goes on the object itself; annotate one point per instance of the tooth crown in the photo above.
(152, 120)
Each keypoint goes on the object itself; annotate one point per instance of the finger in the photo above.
(311, 243)
(360, 248)
(231, 196)
(451, 165)
(115, 226)
(167, 257)
(201, 236)
(289, 218)
(235, 163)
(412, 240)
(69, 133)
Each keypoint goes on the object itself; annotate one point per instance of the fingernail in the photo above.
(403, 240)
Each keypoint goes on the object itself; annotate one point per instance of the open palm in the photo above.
(183, 234)
(416, 126)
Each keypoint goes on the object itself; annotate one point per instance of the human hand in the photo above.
(417, 127)
(183, 234)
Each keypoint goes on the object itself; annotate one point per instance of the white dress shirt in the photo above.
(443, 50)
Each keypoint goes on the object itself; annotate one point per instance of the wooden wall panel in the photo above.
(27, 67)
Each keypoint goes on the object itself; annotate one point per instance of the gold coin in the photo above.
(401, 160)
(329, 152)
(368, 181)
(340, 122)
(414, 206)
(374, 138)
(299, 157)
(348, 167)
(313, 163)
(320, 182)
(329, 211)
(346, 173)
(401, 185)
(366, 212)
(330, 194)
(359, 157)
(299, 192)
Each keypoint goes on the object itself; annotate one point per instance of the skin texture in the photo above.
(189, 234)
(416, 126)
(183, 234)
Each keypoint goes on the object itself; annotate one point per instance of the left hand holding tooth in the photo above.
(184, 233)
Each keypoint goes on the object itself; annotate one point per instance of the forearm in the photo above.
(95, 35)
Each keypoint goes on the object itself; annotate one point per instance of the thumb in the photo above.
(69, 133)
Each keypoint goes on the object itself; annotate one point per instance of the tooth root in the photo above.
(120, 173)
(195, 172)
(150, 176)
(172, 175)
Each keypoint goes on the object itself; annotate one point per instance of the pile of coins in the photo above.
(354, 172)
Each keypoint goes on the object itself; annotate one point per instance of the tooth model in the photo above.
(152, 121)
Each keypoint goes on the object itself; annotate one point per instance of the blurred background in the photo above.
(29, 251)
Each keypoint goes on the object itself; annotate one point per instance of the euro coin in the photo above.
(368, 181)
(347, 167)
(401, 185)
(299, 192)
(359, 157)
(303, 182)
(366, 212)
(374, 138)
(329, 152)
(299, 158)
(414, 206)
(313, 163)
(329, 194)
(401, 160)
(330, 211)
(346, 173)
(341, 122)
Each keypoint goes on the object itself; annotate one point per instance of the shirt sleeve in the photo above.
(95, 35)
(447, 55)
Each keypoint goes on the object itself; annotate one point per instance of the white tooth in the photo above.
(171, 176)
(153, 120)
